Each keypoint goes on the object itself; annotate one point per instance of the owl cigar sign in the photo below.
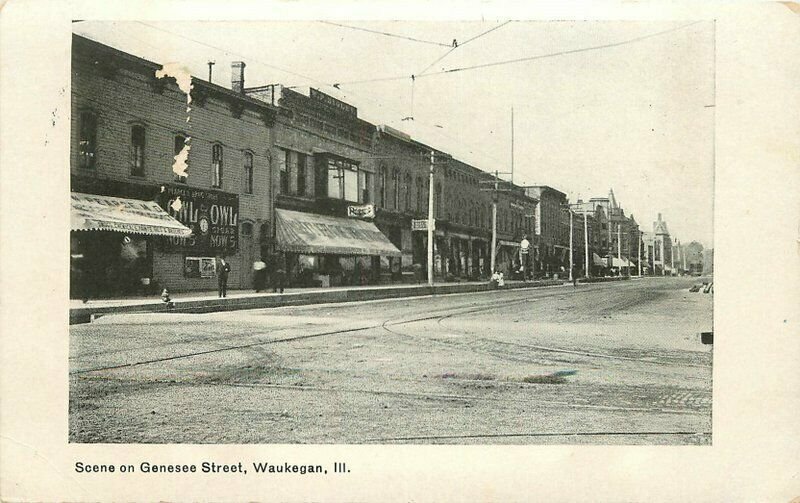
(213, 217)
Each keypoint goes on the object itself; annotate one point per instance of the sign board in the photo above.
(213, 217)
(421, 224)
(333, 103)
(363, 211)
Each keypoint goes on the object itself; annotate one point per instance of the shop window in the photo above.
(87, 140)
(248, 172)
(137, 149)
(200, 267)
(437, 204)
(216, 166)
(301, 173)
(178, 143)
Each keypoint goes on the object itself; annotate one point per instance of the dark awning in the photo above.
(131, 216)
(301, 232)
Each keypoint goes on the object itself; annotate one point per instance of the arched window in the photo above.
(216, 166)
(248, 172)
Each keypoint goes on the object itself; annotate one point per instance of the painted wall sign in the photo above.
(213, 217)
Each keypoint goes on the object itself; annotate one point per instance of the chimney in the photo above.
(237, 76)
(659, 217)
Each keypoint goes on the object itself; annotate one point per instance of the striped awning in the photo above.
(310, 233)
(117, 214)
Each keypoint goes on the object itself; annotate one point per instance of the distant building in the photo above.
(551, 236)
(661, 258)
(694, 257)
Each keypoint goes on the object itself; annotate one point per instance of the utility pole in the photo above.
(571, 258)
(430, 221)
(639, 235)
(494, 221)
(512, 144)
(586, 244)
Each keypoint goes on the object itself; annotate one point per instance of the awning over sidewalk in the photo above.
(623, 262)
(597, 261)
(132, 216)
(301, 232)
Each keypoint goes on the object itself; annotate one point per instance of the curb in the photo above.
(89, 314)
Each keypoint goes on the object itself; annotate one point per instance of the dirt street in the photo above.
(612, 363)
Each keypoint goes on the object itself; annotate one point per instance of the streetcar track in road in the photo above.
(473, 308)
(544, 434)
(433, 396)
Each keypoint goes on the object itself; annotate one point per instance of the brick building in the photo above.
(324, 191)
(206, 163)
(551, 231)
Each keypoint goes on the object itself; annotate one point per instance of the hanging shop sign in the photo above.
(364, 211)
(213, 217)
(421, 224)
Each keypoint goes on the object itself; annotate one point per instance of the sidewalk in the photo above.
(208, 301)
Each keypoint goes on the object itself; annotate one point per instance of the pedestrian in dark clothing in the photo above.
(279, 263)
(259, 275)
(222, 277)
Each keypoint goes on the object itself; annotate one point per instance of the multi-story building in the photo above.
(325, 190)
(551, 235)
(137, 138)
(659, 246)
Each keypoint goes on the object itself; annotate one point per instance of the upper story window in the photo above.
(382, 187)
(216, 166)
(343, 180)
(137, 150)
(396, 185)
(248, 172)
(301, 173)
(407, 192)
(365, 185)
(283, 175)
(87, 140)
(179, 143)
(420, 194)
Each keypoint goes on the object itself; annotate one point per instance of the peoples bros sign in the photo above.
(213, 217)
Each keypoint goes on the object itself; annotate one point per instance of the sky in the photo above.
(597, 105)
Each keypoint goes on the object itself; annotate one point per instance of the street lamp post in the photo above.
(586, 245)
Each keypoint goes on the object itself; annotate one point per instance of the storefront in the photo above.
(323, 250)
(112, 244)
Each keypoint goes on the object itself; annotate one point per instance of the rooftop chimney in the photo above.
(237, 76)
(659, 217)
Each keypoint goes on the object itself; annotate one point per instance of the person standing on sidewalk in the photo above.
(279, 262)
(260, 275)
(222, 277)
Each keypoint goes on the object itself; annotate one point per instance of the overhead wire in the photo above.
(379, 104)
(528, 58)
(385, 34)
